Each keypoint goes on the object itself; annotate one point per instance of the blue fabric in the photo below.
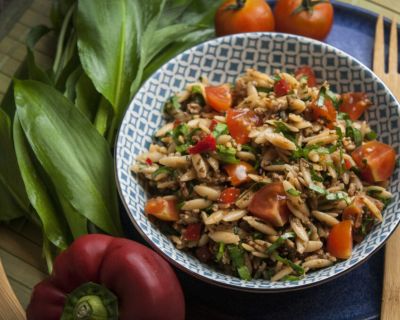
(357, 294)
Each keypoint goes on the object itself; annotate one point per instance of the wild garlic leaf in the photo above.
(75, 157)
(54, 225)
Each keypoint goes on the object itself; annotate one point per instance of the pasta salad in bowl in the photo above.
(261, 176)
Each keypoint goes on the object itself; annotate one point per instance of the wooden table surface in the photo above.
(20, 243)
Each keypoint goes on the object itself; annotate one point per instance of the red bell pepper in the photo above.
(101, 277)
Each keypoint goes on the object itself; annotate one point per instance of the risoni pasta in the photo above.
(268, 178)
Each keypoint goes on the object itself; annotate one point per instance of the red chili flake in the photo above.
(213, 124)
(205, 145)
(177, 123)
(149, 162)
(281, 88)
(347, 164)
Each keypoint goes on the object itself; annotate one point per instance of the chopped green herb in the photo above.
(244, 273)
(175, 102)
(353, 133)
(279, 242)
(220, 129)
(321, 97)
(315, 176)
(366, 222)
(258, 235)
(334, 196)
(342, 116)
(227, 154)
(180, 130)
(191, 134)
(282, 128)
(334, 98)
(291, 278)
(291, 264)
(197, 90)
(220, 253)
(248, 148)
(161, 170)
(276, 77)
(182, 148)
(294, 192)
(339, 134)
(264, 89)
(371, 135)
(317, 189)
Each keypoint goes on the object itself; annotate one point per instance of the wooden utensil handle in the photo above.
(10, 308)
(391, 283)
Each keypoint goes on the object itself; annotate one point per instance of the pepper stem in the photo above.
(308, 5)
(237, 6)
(91, 301)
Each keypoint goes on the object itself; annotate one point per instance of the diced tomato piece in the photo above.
(269, 204)
(347, 164)
(207, 144)
(229, 195)
(192, 232)
(354, 211)
(149, 162)
(327, 112)
(376, 161)
(307, 72)
(238, 172)
(340, 240)
(163, 209)
(354, 104)
(240, 122)
(281, 88)
(219, 97)
(177, 122)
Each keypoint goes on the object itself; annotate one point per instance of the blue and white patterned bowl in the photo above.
(223, 60)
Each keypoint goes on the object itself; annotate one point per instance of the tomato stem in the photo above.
(90, 301)
(237, 6)
(308, 5)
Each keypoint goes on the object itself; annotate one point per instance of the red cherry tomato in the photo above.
(327, 112)
(229, 195)
(281, 88)
(243, 16)
(354, 211)
(306, 71)
(269, 204)
(340, 240)
(238, 172)
(354, 104)
(219, 97)
(240, 122)
(192, 232)
(304, 17)
(376, 161)
(163, 209)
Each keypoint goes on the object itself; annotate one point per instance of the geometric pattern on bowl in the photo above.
(223, 60)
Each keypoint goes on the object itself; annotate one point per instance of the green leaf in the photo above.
(372, 135)
(321, 97)
(220, 253)
(236, 254)
(291, 264)
(294, 192)
(73, 154)
(244, 273)
(161, 170)
(54, 225)
(227, 154)
(10, 175)
(70, 85)
(279, 242)
(110, 43)
(87, 98)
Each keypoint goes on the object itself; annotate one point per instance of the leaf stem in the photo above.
(102, 115)
(61, 39)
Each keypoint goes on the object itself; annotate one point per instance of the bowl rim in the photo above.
(187, 270)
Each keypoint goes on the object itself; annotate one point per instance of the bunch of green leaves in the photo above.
(57, 126)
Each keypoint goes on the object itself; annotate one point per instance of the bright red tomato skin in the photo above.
(354, 104)
(240, 122)
(327, 112)
(255, 15)
(219, 97)
(269, 204)
(163, 209)
(229, 195)
(316, 23)
(309, 73)
(144, 283)
(281, 88)
(376, 161)
(238, 173)
(340, 240)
